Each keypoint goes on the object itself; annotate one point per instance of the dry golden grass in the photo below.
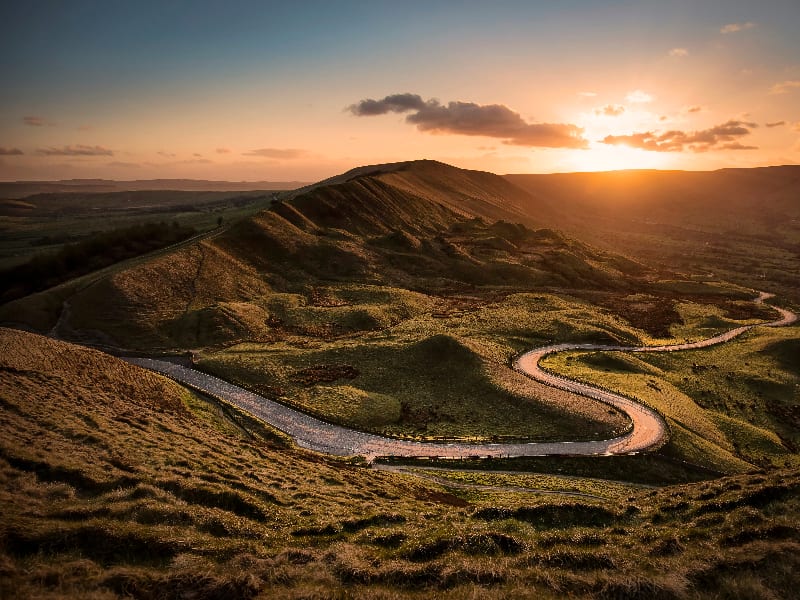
(117, 483)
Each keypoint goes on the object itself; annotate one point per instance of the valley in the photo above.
(410, 379)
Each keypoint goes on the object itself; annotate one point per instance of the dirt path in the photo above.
(649, 428)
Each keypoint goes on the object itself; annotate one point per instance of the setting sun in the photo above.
(602, 157)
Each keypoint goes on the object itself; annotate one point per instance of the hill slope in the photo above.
(423, 226)
(741, 224)
(117, 483)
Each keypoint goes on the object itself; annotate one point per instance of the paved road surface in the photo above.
(649, 428)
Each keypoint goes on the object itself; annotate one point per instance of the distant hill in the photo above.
(762, 199)
(741, 224)
(106, 205)
(22, 189)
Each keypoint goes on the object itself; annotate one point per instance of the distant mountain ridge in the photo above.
(22, 189)
(740, 224)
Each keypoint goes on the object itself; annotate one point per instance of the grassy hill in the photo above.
(115, 482)
(311, 301)
(739, 224)
(388, 226)
(41, 224)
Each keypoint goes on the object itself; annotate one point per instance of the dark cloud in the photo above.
(694, 109)
(468, 118)
(35, 121)
(738, 146)
(775, 124)
(610, 110)
(281, 153)
(397, 103)
(721, 137)
(10, 151)
(76, 150)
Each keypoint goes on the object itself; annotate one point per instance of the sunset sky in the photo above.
(304, 90)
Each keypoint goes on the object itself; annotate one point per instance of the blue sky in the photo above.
(134, 90)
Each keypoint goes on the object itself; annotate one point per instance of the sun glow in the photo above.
(603, 157)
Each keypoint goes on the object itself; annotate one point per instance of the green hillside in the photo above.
(387, 227)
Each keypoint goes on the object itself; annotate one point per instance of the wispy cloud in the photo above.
(720, 137)
(784, 87)
(223, 151)
(610, 110)
(195, 161)
(10, 151)
(693, 109)
(167, 154)
(124, 165)
(279, 153)
(32, 121)
(775, 124)
(76, 150)
(469, 118)
(679, 52)
(736, 27)
(587, 94)
(639, 97)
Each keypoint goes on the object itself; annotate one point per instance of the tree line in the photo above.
(99, 250)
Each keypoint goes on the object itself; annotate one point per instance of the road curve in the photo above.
(649, 428)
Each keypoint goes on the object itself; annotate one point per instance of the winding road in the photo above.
(649, 428)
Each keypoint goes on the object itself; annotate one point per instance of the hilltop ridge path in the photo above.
(649, 428)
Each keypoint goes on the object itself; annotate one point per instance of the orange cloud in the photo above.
(124, 165)
(775, 124)
(469, 118)
(610, 110)
(223, 150)
(10, 151)
(76, 150)
(280, 153)
(720, 137)
(784, 87)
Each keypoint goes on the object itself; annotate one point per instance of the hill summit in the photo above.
(419, 225)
